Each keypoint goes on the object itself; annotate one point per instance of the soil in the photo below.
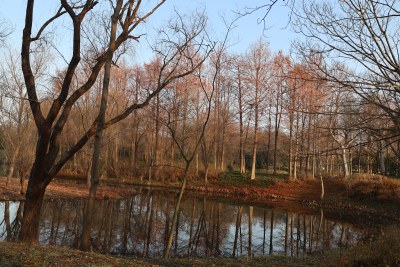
(65, 189)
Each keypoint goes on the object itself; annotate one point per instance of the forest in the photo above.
(199, 153)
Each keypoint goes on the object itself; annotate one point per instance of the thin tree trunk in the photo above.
(250, 248)
(382, 156)
(267, 159)
(12, 166)
(241, 125)
(253, 166)
(291, 147)
(344, 162)
(176, 211)
(87, 225)
(296, 152)
(237, 227)
(271, 233)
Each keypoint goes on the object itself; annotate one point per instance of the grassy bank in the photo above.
(382, 251)
(18, 254)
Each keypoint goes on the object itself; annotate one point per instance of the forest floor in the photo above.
(372, 201)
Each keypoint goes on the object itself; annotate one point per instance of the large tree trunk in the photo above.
(32, 209)
(38, 181)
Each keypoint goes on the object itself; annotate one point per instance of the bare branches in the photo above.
(265, 10)
(59, 13)
(363, 35)
(5, 30)
(186, 46)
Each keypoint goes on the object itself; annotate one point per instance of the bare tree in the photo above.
(188, 142)
(240, 73)
(15, 115)
(281, 67)
(208, 85)
(357, 33)
(48, 160)
(257, 76)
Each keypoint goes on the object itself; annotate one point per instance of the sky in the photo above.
(248, 29)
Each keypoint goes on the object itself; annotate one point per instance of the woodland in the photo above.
(312, 134)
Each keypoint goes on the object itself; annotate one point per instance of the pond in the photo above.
(139, 226)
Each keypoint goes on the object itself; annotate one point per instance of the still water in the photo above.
(139, 226)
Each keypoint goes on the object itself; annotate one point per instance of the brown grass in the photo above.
(373, 188)
(65, 189)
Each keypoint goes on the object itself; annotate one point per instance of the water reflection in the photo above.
(139, 226)
(10, 220)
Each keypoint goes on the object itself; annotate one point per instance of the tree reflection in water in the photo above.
(139, 226)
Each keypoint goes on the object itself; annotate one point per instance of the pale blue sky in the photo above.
(248, 29)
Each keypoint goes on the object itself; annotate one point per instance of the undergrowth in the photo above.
(235, 178)
(373, 187)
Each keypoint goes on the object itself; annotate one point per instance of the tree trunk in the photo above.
(290, 146)
(7, 220)
(95, 173)
(250, 248)
(237, 227)
(241, 124)
(296, 152)
(253, 166)
(12, 167)
(267, 159)
(344, 162)
(176, 211)
(382, 155)
(32, 209)
(205, 159)
(278, 112)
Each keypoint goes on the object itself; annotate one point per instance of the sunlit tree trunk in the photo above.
(241, 118)
(291, 146)
(345, 164)
(256, 110)
(267, 153)
(157, 138)
(296, 151)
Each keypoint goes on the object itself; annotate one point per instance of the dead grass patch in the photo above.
(373, 187)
